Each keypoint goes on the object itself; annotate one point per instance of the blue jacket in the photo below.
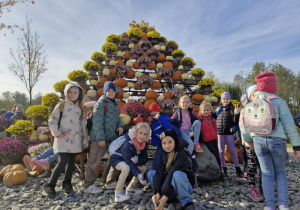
(158, 126)
(297, 119)
(126, 152)
(285, 127)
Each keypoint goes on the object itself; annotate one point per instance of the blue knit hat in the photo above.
(108, 85)
(225, 94)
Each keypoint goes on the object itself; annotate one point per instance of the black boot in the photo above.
(189, 206)
(239, 172)
(225, 172)
(67, 186)
(49, 191)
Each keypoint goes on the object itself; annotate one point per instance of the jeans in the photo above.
(157, 156)
(185, 135)
(48, 155)
(271, 154)
(182, 186)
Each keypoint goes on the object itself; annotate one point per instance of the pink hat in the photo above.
(266, 82)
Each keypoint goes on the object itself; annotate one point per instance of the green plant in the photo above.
(38, 112)
(235, 102)
(153, 34)
(50, 99)
(78, 75)
(198, 72)
(206, 82)
(98, 56)
(172, 44)
(91, 66)
(60, 86)
(187, 61)
(135, 32)
(163, 39)
(113, 38)
(218, 93)
(177, 53)
(109, 47)
(21, 128)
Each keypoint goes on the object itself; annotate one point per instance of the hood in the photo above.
(68, 86)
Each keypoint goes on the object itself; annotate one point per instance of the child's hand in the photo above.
(157, 115)
(61, 134)
(135, 159)
(155, 198)
(141, 178)
(84, 146)
(237, 109)
(231, 130)
(101, 143)
(120, 130)
(162, 203)
(191, 134)
(297, 154)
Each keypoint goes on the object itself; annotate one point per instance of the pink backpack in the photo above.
(259, 116)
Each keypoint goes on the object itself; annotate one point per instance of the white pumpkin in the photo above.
(207, 98)
(153, 75)
(119, 53)
(93, 82)
(185, 76)
(192, 77)
(106, 72)
(180, 87)
(163, 47)
(92, 93)
(33, 136)
(130, 84)
(129, 63)
(169, 57)
(180, 67)
(159, 65)
(138, 74)
(214, 99)
(157, 46)
(160, 97)
(195, 88)
(125, 95)
(43, 137)
(112, 62)
(125, 119)
(131, 45)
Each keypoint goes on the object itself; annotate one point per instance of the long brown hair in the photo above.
(171, 156)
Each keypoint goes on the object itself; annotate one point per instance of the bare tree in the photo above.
(30, 59)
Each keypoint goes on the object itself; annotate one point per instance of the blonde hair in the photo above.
(182, 98)
(143, 125)
(171, 156)
(203, 105)
(19, 108)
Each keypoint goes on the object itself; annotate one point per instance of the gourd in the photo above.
(138, 74)
(125, 95)
(161, 97)
(10, 168)
(119, 53)
(125, 119)
(93, 82)
(153, 75)
(130, 84)
(185, 76)
(129, 63)
(163, 47)
(112, 62)
(157, 46)
(33, 136)
(92, 93)
(159, 65)
(15, 177)
(38, 169)
(43, 137)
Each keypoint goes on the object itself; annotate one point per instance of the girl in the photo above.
(271, 149)
(225, 130)
(68, 129)
(131, 156)
(189, 126)
(209, 129)
(174, 176)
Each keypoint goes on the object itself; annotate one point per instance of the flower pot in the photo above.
(207, 88)
(166, 77)
(20, 138)
(134, 56)
(143, 65)
(145, 86)
(92, 73)
(81, 82)
(134, 39)
(178, 58)
(198, 78)
(187, 67)
(38, 122)
(99, 62)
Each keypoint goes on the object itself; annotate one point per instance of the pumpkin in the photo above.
(38, 169)
(43, 137)
(168, 63)
(130, 73)
(125, 95)
(137, 120)
(167, 95)
(151, 66)
(130, 84)
(106, 72)
(136, 65)
(112, 72)
(121, 82)
(10, 168)
(77, 158)
(185, 76)
(93, 82)
(129, 63)
(138, 74)
(161, 57)
(149, 119)
(15, 177)
(92, 93)
(99, 92)
(159, 65)
(120, 104)
(99, 170)
(102, 80)
(148, 102)
(120, 95)
(228, 156)
(137, 86)
(198, 97)
(176, 75)
(119, 62)
(33, 136)
(156, 85)
(112, 62)
(126, 55)
(150, 94)
(158, 76)
(125, 119)
(195, 108)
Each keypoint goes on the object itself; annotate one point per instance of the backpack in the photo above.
(259, 116)
(211, 120)
(89, 120)
(116, 144)
(195, 165)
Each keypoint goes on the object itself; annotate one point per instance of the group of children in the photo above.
(175, 139)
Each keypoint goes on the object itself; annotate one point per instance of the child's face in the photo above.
(168, 144)
(142, 134)
(73, 94)
(185, 103)
(153, 113)
(225, 101)
(110, 94)
(251, 97)
(206, 111)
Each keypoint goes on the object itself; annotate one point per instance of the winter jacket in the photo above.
(208, 128)
(105, 125)
(225, 121)
(7, 116)
(17, 116)
(158, 126)
(297, 119)
(182, 162)
(126, 152)
(177, 116)
(285, 126)
(71, 124)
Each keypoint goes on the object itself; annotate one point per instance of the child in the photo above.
(189, 126)
(209, 129)
(271, 149)
(3, 123)
(297, 119)
(42, 161)
(174, 175)
(131, 157)
(252, 162)
(225, 131)
(68, 129)
(107, 125)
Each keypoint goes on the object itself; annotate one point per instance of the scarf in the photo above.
(139, 146)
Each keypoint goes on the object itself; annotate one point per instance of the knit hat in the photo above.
(266, 82)
(169, 132)
(250, 90)
(109, 85)
(154, 107)
(243, 98)
(225, 94)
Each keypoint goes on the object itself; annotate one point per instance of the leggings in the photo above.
(229, 141)
(64, 159)
(252, 166)
(213, 148)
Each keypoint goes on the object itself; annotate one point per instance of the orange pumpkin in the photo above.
(198, 97)
(228, 156)
(168, 63)
(149, 119)
(126, 55)
(161, 57)
(158, 76)
(167, 95)
(137, 86)
(136, 65)
(39, 169)
(195, 108)
(102, 80)
(77, 158)
(156, 85)
(148, 102)
(130, 73)
(151, 94)
(137, 120)
(99, 170)
(99, 92)
(176, 75)
(120, 95)
(119, 62)
(120, 104)
(151, 66)
(121, 82)
(112, 72)
(15, 177)
(144, 37)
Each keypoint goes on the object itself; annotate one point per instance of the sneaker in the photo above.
(147, 188)
(49, 191)
(110, 186)
(92, 189)
(284, 207)
(120, 197)
(197, 147)
(28, 162)
(254, 194)
(239, 172)
(43, 164)
(245, 175)
(268, 208)
(225, 172)
(189, 206)
(67, 186)
(133, 191)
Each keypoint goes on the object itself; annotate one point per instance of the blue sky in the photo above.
(221, 36)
